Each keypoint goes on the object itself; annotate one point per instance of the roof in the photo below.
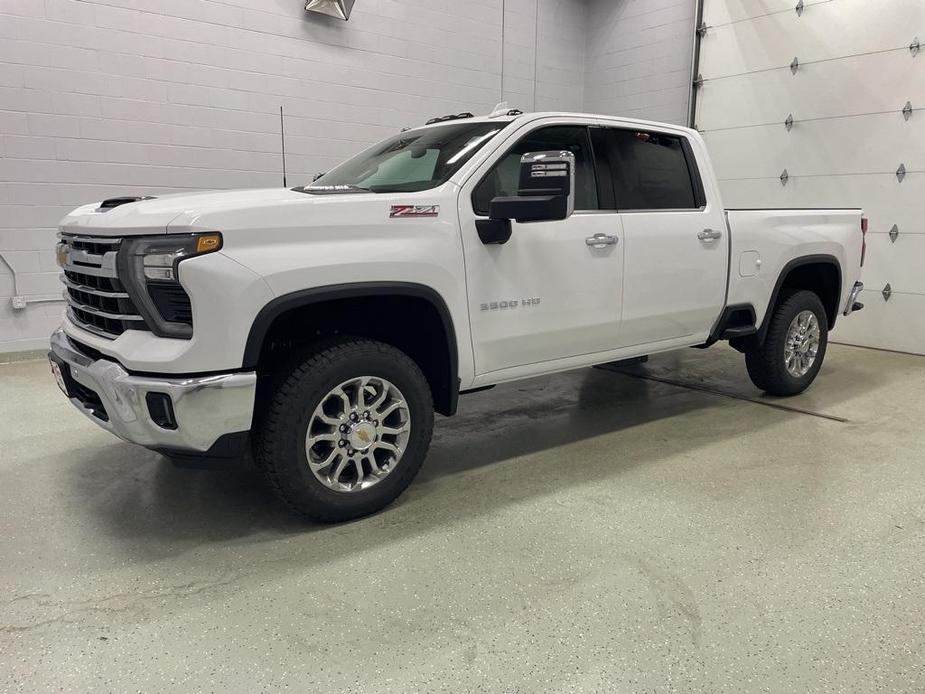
(555, 114)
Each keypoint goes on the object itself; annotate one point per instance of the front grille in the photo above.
(97, 300)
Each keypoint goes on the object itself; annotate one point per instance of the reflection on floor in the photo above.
(589, 531)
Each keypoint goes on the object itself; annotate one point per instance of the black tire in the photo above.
(766, 366)
(281, 431)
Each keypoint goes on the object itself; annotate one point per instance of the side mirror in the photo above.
(546, 193)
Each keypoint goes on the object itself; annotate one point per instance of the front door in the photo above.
(554, 290)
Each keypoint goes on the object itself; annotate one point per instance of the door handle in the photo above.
(709, 235)
(600, 240)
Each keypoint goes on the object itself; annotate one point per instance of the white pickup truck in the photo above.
(321, 326)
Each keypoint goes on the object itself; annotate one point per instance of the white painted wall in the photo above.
(638, 60)
(545, 74)
(116, 97)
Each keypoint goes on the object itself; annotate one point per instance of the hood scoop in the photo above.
(110, 203)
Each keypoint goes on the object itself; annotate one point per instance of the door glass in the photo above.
(504, 177)
(649, 171)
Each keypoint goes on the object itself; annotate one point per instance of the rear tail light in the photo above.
(863, 239)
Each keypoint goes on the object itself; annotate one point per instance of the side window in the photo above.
(504, 176)
(650, 171)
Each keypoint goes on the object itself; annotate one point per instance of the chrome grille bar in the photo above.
(89, 327)
(99, 240)
(96, 300)
(90, 290)
(99, 312)
(95, 270)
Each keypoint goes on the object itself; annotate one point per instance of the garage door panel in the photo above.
(888, 262)
(868, 144)
(848, 136)
(726, 11)
(885, 202)
(829, 30)
(860, 84)
(885, 324)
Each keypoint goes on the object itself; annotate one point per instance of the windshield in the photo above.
(413, 160)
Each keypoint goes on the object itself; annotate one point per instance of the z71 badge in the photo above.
(511, 303)
(414, 211)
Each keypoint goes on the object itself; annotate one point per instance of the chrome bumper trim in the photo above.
(205, 407)
(853, 297)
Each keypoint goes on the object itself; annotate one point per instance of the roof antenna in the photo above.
(282, 141)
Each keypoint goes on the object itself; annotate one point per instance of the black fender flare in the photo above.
(818, 259)
(306, 297)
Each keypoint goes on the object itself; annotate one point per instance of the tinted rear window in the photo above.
(650, 171)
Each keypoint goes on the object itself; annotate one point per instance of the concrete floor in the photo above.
(591, 531)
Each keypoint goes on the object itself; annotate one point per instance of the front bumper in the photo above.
(205, 408)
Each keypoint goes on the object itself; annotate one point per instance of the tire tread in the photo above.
(272, 426)
(764, 365)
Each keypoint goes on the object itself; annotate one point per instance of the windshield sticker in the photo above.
(330, 188)
(414, 211)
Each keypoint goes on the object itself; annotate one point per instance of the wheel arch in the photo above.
(434, 347)
(798, 274)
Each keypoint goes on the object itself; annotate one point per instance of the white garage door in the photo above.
(843, 70)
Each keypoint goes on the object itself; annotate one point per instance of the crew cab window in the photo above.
(504, 177)
(650, 170)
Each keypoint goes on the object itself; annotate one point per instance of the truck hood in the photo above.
(172, 213)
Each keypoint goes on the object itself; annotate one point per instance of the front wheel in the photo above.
(347, 430)
(794, 347)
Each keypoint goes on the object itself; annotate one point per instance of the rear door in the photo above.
(676, 245)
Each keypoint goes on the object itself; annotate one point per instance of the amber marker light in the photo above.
(208, 243)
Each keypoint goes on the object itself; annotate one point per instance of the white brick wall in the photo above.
(545, 74)
(116, 97)
(108, 97)
(638, 60)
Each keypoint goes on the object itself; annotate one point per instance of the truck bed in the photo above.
(764, 242)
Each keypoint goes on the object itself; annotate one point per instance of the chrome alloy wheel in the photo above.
(802, 344)
(358, 434)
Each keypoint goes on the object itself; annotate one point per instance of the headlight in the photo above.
(148, 268)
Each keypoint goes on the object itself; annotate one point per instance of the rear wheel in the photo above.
(794, 347)
(347, 430)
